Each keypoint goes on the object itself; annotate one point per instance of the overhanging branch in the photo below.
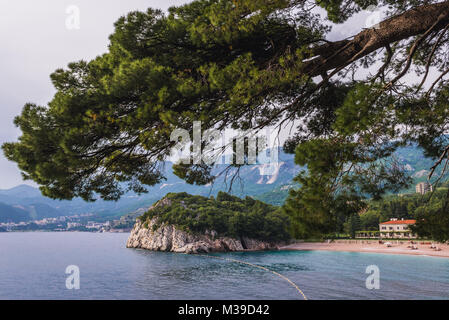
(414, 22)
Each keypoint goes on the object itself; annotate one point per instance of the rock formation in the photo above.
(152, 236)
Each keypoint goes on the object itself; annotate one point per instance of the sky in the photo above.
(35, 41)
(38, 37)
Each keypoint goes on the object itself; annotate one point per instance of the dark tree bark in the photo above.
(337, 55)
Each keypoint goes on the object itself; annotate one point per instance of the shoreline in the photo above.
(367, 247)
(360, 246)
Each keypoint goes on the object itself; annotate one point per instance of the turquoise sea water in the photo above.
(33, 265)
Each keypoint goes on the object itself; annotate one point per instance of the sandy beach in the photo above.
(424, 247)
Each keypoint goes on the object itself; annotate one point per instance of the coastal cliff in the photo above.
(152, 233)
(169, 238)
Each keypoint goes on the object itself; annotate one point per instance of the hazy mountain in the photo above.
(251, 181)
(410, 157)
(12, 214)
(18, 213)
(27, 202)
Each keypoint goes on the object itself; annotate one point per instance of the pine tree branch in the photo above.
(414, 22)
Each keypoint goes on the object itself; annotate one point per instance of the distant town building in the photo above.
(423, 188)
(397, 229)
(71, 225)
(94, 225)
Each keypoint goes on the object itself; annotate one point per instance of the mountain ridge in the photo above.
(272, 189)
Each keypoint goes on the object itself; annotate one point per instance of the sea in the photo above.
(89, 266)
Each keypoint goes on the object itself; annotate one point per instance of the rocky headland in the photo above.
(153, 235)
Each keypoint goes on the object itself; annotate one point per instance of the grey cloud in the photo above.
(35, 42)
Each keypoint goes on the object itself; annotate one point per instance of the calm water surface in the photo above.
(32, 266)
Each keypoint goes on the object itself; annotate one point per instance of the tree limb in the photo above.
(414, 22)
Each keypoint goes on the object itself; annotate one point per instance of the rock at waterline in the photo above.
(169, 238)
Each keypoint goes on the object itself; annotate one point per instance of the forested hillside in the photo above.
(227, 215)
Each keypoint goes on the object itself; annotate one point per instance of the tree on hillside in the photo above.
(352, 225)
(369, 221)
(248, 64)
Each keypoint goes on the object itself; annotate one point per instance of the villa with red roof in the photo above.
(397, 229)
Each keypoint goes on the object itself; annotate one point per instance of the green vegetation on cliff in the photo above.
(225, 214)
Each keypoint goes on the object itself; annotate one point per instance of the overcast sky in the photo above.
(35, 41)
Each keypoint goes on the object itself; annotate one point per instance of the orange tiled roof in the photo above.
(400, 222)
